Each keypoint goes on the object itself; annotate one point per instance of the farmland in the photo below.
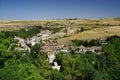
(93, 28)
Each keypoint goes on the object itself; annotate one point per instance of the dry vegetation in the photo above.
(17, 24)
(94, 28)
(97, 33)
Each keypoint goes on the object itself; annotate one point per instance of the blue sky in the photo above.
(55, 9)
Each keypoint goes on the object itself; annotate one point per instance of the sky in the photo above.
(58, 9)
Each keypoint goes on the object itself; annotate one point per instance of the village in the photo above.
(51, 47)
(60, 40)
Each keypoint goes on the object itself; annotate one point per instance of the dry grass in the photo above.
(97, 33)
(97, 28)
(76, 23)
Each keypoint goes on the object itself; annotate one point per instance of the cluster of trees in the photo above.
(81, 29)
(71, 18)
(111, 51)
(87, 43)
(15, 65)
(90, 66)
(21, 65)
(5, 41)
(55, 30)
(24, 34)
(81, 66)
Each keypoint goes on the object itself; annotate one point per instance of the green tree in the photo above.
(55, 75)
(9, 72)
(35, 50)
(82, 29)
(15, 70)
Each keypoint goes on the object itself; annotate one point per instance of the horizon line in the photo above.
(57, 19)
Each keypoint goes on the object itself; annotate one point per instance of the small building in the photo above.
(44, 34)
(50, 49)
(82, 49)
(64, 49)
(56, 66)
(47, 49)
(92, 48)
(51, 58)
(33, 40)
(22, 44)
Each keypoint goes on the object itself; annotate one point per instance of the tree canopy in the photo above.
(21, 65)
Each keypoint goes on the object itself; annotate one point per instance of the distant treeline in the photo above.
(87, 43)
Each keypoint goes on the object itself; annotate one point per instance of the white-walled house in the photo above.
(85, 49)
(22, 44)
(56, 66)
(51, 58)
